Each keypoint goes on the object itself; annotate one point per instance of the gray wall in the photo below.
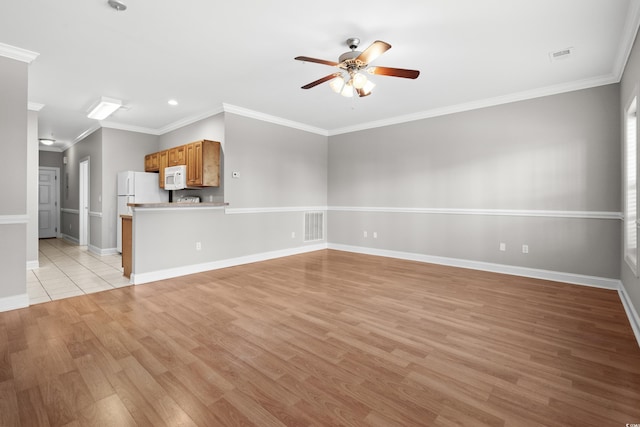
(90, 147)
(32, 189)
(280, 168)
(557, 153)
(121, 151)
(51, 159)
(13, 208)
(628, 89)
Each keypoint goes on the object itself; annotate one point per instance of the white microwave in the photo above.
(175, 177)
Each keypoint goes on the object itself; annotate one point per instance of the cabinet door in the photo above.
(194, 163)
(163, 162)
(151, 162)
(177, 156)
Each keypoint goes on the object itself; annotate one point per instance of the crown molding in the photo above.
(489, 102)
(130, 128)
(187, 121)
(17, 53)
(228, 108)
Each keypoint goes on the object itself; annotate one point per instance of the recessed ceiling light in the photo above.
(172, 102)
(117, 5)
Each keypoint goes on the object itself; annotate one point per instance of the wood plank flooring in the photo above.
(325, 338)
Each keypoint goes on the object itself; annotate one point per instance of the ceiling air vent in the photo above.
(561, 54)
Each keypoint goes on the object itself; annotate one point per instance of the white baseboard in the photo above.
(576, 279)
(138, 279)
(14, 302)
(632, 314)
(70, 239)
(102, 252)
(32, 265)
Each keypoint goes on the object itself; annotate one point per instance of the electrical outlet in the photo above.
(525, 249)
(364, 233)
(198, 246)
(503, 247)
(293, 234)
(375, 234)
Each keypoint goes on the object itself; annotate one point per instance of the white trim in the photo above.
(233, 211)
(576, 279)
(13, 219)
(32, 265)
(34, 106)
(14, 302)
(492, 212)
(17, 53)
(273, 119)
(95, 214)
(483, 103)
(70, 211)
(632, 314)
(128, 128)
(70, 238)
(189, 120)
(138, 279)
(102, 252)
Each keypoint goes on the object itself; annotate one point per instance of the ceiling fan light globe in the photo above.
(337, 84)
(347, 91)
(359, 80)
(368, 87)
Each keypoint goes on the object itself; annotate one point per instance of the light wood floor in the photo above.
(326, 338)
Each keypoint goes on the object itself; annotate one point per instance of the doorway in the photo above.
(83, 225)
(48, 196)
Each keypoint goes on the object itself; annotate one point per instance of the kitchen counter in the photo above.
(178, 205)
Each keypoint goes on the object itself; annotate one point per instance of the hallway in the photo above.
(67, 270)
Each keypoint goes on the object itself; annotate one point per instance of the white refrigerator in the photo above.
(136, 187)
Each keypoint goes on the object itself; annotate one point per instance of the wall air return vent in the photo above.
(561, 54)
(313, 226)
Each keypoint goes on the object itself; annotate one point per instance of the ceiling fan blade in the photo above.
(320, 81)
(394, 72)
(319, 61)
(376, 49)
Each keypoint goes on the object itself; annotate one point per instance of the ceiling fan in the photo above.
(351, 63)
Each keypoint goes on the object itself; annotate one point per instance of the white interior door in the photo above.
(83, 225)
(47, 203)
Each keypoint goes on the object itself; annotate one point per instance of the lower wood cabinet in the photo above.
(127, 228)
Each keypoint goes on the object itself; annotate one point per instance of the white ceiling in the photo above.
(207, 54)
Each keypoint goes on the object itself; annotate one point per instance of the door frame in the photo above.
(57, 191)
(84, 184)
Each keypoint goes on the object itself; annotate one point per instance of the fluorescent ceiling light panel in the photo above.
(105, 108)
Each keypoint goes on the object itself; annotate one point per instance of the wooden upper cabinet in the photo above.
(163, 162)
(151, 162)
(203, 164)
(177, 156)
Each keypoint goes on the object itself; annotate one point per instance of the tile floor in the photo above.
(67, 270)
